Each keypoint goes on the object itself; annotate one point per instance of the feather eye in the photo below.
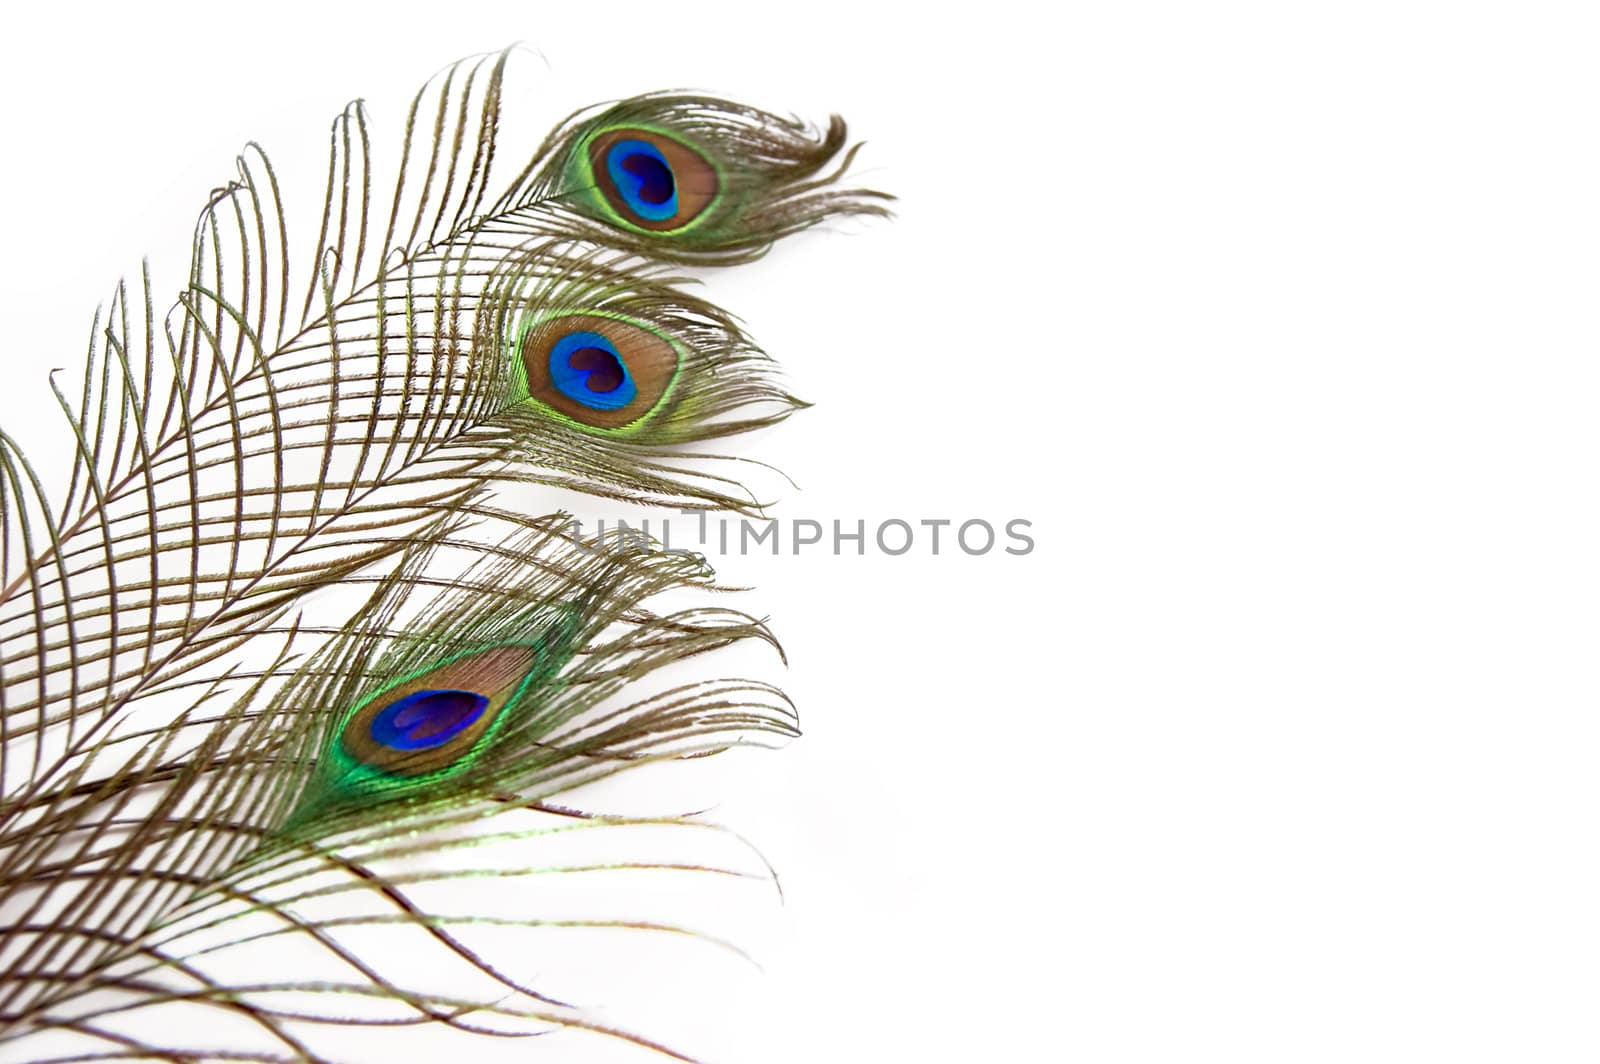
(651, 179)
(606, 362)
(481, 699)
(454, 688)
(604, 371)
(432, 722)
(435, 720)
(696, 179)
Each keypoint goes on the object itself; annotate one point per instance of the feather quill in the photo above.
(195, 761)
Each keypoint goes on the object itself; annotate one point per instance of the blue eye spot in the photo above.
(425, 719)
(587, 368)
(644, 178)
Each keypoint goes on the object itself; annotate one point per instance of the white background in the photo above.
(1277, 321)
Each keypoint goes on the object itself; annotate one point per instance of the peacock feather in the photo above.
(283, 643)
